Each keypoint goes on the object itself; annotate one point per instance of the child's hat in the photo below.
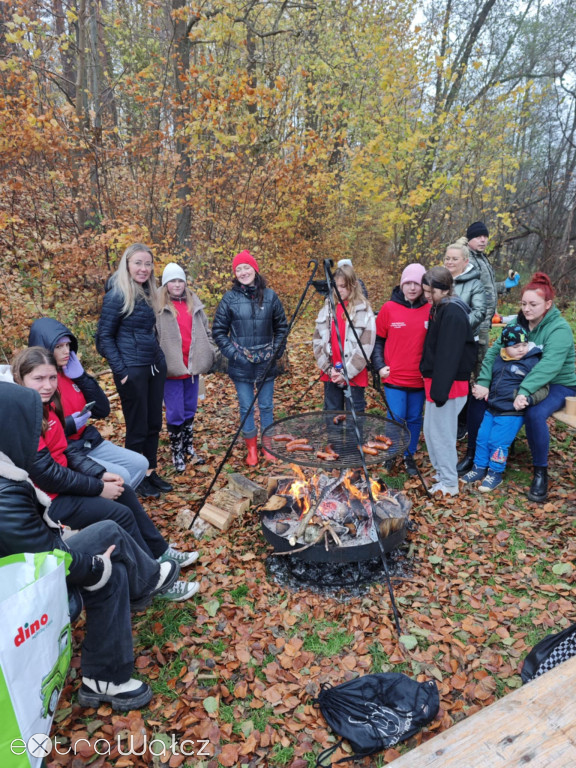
(173, 271)
(513, 334)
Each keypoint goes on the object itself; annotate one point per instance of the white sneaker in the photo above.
(445, 490)
(180, 591)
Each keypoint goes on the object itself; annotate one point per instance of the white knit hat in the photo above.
(173, 272)
(345, 263)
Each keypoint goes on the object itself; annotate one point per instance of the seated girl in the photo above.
(81, 492)
(76, 389)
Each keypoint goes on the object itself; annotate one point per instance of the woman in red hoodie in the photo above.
(80, 498)
(400, 331)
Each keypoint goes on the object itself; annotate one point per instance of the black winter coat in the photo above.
(22, 528)
(127, 340)
(239, 318)
(449, 352)
(47, 332)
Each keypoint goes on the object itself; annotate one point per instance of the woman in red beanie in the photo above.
(249, 328)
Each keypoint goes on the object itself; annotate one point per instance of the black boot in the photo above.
(188, 444)
(539, 488)
(465, 464)
(176, 434)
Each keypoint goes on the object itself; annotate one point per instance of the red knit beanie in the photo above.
(244, 257)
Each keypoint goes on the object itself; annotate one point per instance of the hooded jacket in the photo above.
(469, 288)
(22, 527)
(449, 352)
(400, 332)
(47, 332)
(507, 377)
(242, 321)
(555, 337)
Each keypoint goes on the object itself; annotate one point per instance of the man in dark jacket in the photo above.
(110, 571)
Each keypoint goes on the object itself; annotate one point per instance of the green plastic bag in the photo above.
(35, 651)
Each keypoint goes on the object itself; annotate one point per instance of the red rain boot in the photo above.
(252, 446)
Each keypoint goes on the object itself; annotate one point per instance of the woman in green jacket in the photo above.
(547, 329)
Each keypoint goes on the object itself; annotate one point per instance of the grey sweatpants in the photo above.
(440, 428)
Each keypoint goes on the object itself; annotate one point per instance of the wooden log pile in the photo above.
(235, 500)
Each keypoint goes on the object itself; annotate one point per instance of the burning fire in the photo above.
(303, 491)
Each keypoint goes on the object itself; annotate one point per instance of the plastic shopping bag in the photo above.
(35, 651)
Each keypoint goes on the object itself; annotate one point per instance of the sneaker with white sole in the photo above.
(491, 481)
(182, 558)
(132, 694)
(445, 490)
(475, 474)
(180, 591)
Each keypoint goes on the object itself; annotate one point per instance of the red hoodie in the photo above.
(404, 329)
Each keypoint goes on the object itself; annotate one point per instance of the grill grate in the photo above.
(319, 429)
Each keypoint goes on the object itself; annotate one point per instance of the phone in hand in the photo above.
(87, 407)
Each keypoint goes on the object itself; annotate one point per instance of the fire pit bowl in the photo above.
(334, 430)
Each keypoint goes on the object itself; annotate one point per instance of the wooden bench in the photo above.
(533, 726)
(565, 418)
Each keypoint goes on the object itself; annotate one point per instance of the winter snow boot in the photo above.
(252, 446)
(539, 488)
(189, 445)
(132, 694)
(176, 435)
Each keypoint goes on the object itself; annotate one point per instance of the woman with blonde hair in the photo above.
(357, 347)
(127, 339)
(467, 283)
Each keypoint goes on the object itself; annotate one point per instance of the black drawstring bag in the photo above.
(548, 653)
(375, 712)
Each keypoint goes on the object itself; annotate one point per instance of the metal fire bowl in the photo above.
(319, 554)
(319, 429)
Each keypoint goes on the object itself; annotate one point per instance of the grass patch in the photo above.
(157, 628)
(281, 755)
(240, 593)
(331, 646)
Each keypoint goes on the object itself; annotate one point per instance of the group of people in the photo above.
(430, 346)
(62, 485)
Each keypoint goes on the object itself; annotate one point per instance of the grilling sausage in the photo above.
(283, 438)
(338, 419)
(369, 451)
(298, 447)
(325, 456)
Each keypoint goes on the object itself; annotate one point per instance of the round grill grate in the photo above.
(319, 429)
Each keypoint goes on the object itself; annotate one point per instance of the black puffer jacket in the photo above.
(241, 319)
(80, 478)
(127, 340)
(449, 352)
(22, 528)
(47, 332)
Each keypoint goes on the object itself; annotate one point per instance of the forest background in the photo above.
(297, 129)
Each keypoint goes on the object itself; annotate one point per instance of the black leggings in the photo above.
(80, 511)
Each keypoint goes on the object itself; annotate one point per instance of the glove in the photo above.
(81, 419)
(512, 280)
(73, 368)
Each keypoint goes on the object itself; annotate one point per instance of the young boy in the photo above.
(504, 417)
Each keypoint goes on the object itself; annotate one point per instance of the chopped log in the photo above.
(275, 503)
(219, 518)
(245, 487)
(273, 482)
(231, 501)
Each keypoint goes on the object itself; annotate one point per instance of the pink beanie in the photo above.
(413, 273)
(244, 257)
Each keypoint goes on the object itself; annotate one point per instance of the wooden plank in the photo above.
(219, 518)
(565, 418)
(247, 487)
(533, 726)
(231, 501)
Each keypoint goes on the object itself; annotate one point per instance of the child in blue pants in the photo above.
(504, 416)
